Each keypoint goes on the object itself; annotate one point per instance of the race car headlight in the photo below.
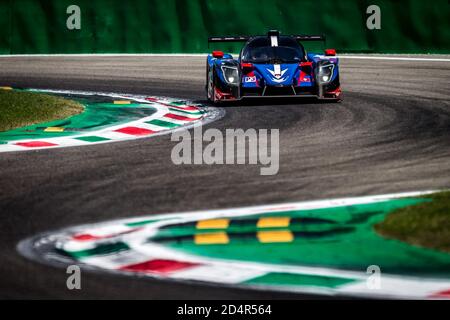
(231, 75)
(325, 73)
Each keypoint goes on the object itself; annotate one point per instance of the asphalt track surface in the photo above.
(391, 134)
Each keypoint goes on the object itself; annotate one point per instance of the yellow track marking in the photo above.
(213, 224)
(273, 222)
(275, 236)
(211, 238)
(6, 88)
(122, 102)
(54, 129)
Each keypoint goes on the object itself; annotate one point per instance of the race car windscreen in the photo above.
(260, 50)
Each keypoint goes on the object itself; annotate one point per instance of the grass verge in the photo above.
(426, 224)
(18, 109)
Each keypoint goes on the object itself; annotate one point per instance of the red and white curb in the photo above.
(129, 252)
(169, 116)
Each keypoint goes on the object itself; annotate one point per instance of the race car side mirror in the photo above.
(217, 54)
(330, 52)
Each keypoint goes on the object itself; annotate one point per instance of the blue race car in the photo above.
(272, 66)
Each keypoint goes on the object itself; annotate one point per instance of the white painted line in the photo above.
(175, 121)
(116, 260)
(243, 211)
(218, 274)
(74, 246)
(109, 230)
(105, 55)
(59, 141)
(187, 115)
(10, 148)
(113, 135)
(394, 58)
(394, 287)
(101, 55)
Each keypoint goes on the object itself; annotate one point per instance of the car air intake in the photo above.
(279, 91)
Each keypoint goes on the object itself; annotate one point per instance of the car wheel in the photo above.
(210, 87)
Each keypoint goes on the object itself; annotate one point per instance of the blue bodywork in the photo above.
(315, 75)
